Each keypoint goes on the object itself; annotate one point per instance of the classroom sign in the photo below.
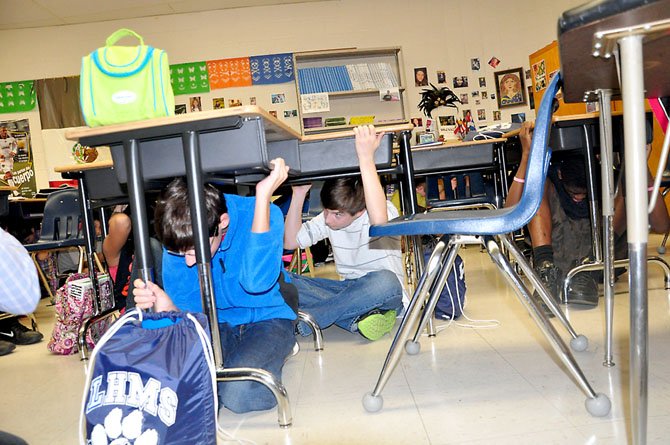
(17, 96)
(227, 73)
(271, 69)
(189, 78)
(16, 158)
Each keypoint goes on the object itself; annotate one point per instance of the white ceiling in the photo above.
(17, 14)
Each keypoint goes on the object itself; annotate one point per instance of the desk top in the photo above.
(7, 188)
(275, 130)
(455, 144)
(582, 72)
(349, 133)
(84, 167)
(20, 200)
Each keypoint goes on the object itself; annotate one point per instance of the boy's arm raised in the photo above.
(294, 216)
(367, 142)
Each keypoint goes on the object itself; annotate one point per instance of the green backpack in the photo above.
(125, 83)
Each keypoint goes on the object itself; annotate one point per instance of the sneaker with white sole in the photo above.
(375, 325)
(13, 331)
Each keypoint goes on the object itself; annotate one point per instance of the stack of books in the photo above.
(354, 77)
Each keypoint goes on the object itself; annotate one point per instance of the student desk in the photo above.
(234, 142)
(466, 156)
(597, 42)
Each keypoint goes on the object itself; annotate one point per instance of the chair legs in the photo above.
(316, 330)
(596, 404)
(265, 378)
(429, 287)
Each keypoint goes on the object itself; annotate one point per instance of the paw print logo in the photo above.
(116, 430)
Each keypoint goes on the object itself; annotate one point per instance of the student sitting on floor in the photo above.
(256, 317)
(370, 296)
(560, 232)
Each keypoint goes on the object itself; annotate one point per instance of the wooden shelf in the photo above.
(355, 102)
(380, 125)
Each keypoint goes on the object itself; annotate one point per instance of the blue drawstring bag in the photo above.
(452, 298)
(151, 380)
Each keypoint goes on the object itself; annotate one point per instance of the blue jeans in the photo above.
(266, 345)
(343, 302)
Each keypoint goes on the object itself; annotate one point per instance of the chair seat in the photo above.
(462, 222)
(46, 245)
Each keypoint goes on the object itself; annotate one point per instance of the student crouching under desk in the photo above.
(255, 308)
(370, 296)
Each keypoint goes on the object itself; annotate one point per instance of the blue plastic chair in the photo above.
(61, 228)
(490, 228)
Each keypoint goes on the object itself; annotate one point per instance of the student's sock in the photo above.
(543, 253)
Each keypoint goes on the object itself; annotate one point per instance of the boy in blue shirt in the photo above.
(256, 320)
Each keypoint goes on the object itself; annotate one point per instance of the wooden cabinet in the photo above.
(543, 64)
(358, 83)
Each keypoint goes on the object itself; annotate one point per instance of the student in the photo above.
(561, 230)
(420, 187)
(370, 296)
(256, 320)
(19, 294)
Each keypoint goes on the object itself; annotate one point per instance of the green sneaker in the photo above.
(375, 325)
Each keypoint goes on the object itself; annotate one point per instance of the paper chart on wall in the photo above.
(314, 103)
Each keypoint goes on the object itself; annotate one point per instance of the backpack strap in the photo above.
(121, 33)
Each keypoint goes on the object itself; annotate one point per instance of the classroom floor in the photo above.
(469, 385)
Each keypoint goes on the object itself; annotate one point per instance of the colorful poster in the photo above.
(189, 78)
(17, 96)
(16, 158)
(273, 68)
(226, 73)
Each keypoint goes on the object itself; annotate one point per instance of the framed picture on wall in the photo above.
(510, 87)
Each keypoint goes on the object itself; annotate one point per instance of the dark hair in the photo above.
(343, 194)
(172, 217)
(573, 172)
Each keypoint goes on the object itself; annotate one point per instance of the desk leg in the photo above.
(607, 192)
(89, 236)
(138, 212)
(632, 79)
(196, 196)
(589, 159)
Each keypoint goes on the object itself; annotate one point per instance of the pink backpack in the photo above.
(74, 304)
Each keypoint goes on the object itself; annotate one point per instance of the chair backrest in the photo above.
(62, 216)
(538, 160)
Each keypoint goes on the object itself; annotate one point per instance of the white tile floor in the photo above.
(499, 385)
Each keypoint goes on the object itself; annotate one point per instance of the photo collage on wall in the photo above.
(483, 91)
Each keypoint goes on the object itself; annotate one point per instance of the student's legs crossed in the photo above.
(343, 302)
(264, 345)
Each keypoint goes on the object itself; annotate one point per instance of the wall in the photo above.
(438, 34)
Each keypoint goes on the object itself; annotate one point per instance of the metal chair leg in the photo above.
(446, 265)
(578, 342)
(316, 330)
(597, 404)
(373, 401)
(268, 380)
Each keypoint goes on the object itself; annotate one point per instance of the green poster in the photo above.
(189, 78)
(17, 96)
(16, 158)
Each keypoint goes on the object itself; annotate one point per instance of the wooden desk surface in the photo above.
(275, 130)
(350, 133)
(7, 188)
(454, 144)
(84, 167)
(583, 72)
(20, 200)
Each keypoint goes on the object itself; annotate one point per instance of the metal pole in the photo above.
(632, 79)
(203, 256)
(607, 192)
